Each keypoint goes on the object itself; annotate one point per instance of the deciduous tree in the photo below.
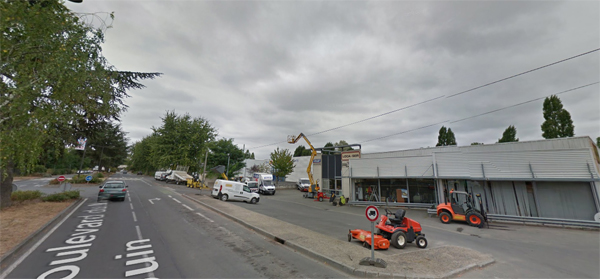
(446, 137)
(558, 122)
(509, 135)
(282, 162)
(55, 83)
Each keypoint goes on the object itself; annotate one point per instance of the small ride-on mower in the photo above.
(395, 229)
(462, 208)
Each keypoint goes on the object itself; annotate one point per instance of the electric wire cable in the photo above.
(485, 113)
(436, 98)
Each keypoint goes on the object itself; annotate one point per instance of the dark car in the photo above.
(140, 173)
(113, 190)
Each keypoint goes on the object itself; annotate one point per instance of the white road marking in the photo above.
(131, 205)
(188, 207)
(169, 196)
(18, 261)
(129, 197)
(139, 233)
(176, 200)
(134, 217)
(118, 257)
(205, 217)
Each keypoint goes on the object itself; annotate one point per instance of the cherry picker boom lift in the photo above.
(314, 187)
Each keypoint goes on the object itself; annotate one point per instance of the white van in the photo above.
(158, 174)
(236, 191)
(265, 183)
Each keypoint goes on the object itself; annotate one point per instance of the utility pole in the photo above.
(204, 171)
(227, 172)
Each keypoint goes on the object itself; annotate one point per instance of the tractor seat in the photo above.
(399, 216)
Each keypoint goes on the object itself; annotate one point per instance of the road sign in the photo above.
(61, 178)
(88, 178)
(372, 213)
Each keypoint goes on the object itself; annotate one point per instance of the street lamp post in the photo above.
(227, 165)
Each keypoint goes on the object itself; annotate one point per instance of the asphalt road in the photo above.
(520, 251)
(157, 233)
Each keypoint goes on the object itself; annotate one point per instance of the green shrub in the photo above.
(53, 182)
(39, 169)
(59, 197)
(99, 175)
(25, 195)
(78, 179)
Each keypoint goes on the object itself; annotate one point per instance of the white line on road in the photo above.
(131, 205)
(188, 207)
(169, 196)
(129, 197)
(205, 217)
(139, 233)
(176, 200)
(134, 217)
(17, 262)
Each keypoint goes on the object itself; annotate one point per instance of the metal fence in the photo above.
(536, 220)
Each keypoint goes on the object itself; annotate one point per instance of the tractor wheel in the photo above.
(475, 219)
(421, 242)
(445, 217)
(349, 237)
(224, 197)
(399, 239)
(320, 199)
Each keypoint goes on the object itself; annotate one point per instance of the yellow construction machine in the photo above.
(314, 187)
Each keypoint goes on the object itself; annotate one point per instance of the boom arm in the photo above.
(292, 139)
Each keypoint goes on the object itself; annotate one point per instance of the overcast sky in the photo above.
(261, 70)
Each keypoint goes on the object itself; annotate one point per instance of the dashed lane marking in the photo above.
(200, 214)
(187, 207)
(134, 217)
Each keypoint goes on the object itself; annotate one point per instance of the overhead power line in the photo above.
(436, 98)
(526, 72)
(489, 112)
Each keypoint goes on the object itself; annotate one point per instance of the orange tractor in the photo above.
(461, 207)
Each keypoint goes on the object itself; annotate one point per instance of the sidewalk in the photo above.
(440, 262)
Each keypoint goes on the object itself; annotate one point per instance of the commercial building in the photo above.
(556, 178)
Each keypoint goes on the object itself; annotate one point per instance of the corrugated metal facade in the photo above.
(556, 178)
(561, 159)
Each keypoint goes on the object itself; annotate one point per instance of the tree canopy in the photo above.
(509, 135)
(282, 162)
(301, 150)
(56, 84)
(446, 137)
(558, 122)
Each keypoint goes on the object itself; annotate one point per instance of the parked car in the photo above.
(303, 184)
(113, 189)
(232, 190)
(140, 173)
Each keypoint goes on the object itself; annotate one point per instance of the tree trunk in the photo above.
(6, 185)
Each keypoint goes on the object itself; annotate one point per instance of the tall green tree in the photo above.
(282, 162)
(598, 141)
(328, 148)
(141, 155)
(558, 122)
(509, 135)
(224, 151)
(446, 137)
(182, 141)
(301, 150)
(107, 146)
(55, 83)
(342, 143)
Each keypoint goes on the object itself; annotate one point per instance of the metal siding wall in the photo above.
(452, 164)
(393, 167)
(567, 200)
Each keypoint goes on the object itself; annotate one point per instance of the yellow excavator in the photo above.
(314, 187)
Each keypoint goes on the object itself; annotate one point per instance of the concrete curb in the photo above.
(335, 264)
(16, 252)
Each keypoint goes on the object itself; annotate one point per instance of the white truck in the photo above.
(232, 190)
(265, 183)
(179, 175)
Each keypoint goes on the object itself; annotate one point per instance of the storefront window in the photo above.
(366, 190)
(421, 190)
(394, 190)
